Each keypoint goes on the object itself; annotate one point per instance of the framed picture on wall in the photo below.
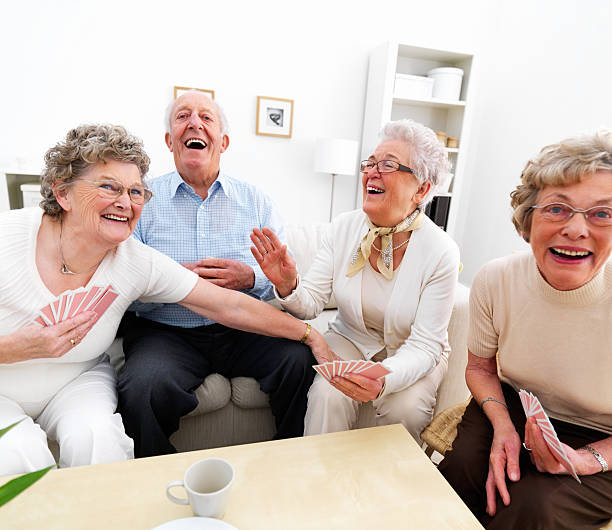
(274, 117)
(178, 90)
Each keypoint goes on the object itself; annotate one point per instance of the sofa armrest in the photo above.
(453, 388)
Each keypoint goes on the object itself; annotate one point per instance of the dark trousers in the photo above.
(165, 364)
(537, 500)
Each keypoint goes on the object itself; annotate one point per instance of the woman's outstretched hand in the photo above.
(319, 348)
(274, 260)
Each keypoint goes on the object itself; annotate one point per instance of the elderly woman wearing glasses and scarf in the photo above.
(393, 274)
(542, 321)
(55, 379)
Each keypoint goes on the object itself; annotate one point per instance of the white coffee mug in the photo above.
(207, 483)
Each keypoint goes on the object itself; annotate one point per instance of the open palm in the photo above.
(274, 260)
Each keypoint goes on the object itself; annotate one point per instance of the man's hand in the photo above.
(358, 387)
(228, 273)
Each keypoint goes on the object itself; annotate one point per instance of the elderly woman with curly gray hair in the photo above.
(541, 321)
(55, 379)
(393, 274)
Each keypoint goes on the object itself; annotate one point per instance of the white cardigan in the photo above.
(418, 311)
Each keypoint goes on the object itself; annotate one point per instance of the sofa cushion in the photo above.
(303, 242)
(213, 394)
(246, 393)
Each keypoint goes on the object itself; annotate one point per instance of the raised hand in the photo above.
(274, 260)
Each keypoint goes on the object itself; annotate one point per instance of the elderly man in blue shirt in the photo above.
(202, 219)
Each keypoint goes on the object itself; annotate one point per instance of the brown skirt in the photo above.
(537, 500)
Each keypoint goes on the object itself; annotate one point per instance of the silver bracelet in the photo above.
(598, 456)
(492, 399)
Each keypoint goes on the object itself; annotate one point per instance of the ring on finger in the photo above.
(526, 448)
(72, 341)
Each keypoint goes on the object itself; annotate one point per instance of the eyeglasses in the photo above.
(384, 166)
(558, 211)
(112, 189)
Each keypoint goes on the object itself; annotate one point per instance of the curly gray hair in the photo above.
(561, 164)
(84, 147)
(428, 159)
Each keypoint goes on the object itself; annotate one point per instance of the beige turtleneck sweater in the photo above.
(556, 344)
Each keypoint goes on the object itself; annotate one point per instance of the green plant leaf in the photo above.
(6, 429)
(14, 487)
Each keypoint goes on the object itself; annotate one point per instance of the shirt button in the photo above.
(202, 234)
(184, 195)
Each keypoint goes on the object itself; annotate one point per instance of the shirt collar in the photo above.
(221, 182)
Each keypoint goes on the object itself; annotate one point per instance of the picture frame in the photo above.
(179, 90)
(274, 117)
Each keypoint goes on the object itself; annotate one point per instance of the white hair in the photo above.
(428, 159)
(222, 116)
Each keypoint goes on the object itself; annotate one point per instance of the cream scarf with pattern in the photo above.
(385, 258)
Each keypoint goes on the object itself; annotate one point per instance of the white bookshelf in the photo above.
(11, 180)
(450, 116)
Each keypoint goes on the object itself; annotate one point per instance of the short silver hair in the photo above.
(428, 159)
(222, 116)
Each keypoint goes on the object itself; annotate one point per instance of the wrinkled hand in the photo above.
(228, 273)
(504, 458)
(36, 342)
(274, 260)
(319, 348)
(547, 461)
(358, 387)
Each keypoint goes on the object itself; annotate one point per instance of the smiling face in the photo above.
(388, 198)
(103, 221)
(195, 138)
(570, 253)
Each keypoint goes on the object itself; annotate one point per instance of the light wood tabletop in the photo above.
(374, 479)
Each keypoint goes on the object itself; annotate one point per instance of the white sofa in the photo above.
(236, 411)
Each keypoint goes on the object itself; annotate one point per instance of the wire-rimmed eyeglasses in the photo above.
(559, 211)
(383, 166)
(113, 189)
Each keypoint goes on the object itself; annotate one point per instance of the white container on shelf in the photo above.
(31, 194)
(447, 82)
(413, 86)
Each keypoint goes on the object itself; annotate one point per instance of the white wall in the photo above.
(65, 63)
(545, 75)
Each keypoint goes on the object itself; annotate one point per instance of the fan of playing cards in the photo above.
(340, 368)
(72, 303)
(532, 407)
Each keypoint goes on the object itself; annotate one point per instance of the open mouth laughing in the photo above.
(565, 254)
(115, 218)
(373, 190)
(196, 143)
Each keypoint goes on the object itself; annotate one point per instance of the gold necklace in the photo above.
(64, 268)
(394, 248)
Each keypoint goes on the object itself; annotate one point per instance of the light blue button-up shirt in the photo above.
(180, 224)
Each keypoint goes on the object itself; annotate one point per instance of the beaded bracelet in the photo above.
(492, 399)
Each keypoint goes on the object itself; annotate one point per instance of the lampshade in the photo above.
(335, 156)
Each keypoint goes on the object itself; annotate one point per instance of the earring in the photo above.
(526, 238)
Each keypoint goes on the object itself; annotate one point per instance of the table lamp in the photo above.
(337, 157)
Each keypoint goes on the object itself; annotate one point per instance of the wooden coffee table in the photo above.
(373, 479)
